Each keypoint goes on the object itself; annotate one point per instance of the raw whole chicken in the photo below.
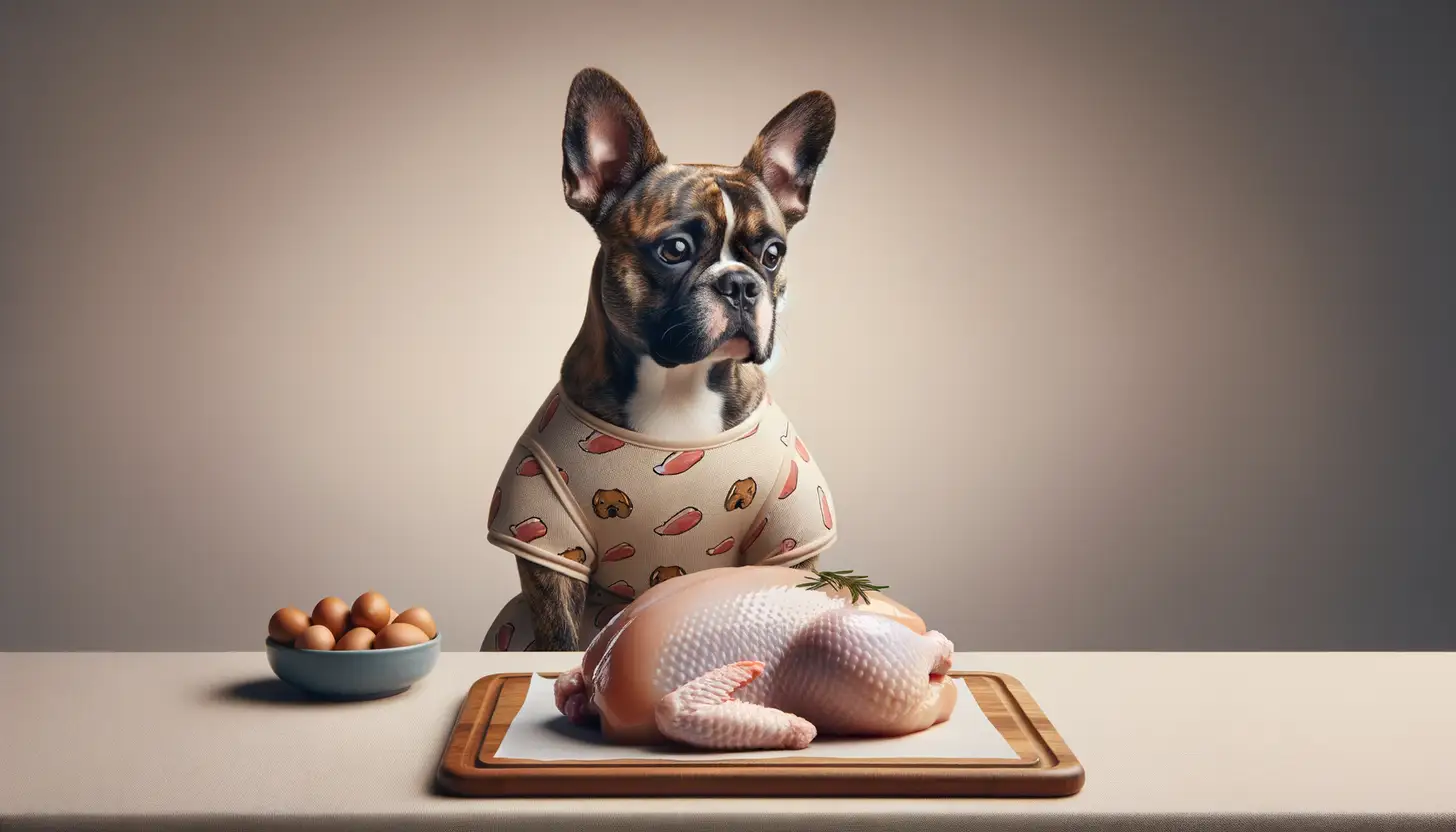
(741, 658)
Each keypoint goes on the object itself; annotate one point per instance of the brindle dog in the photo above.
(687, 286)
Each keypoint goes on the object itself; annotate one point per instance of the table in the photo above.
(161, 741)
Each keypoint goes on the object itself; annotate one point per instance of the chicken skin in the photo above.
(741, 658)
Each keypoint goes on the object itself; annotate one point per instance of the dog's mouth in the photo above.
(750, 345)
(739, 342)
(735, 346)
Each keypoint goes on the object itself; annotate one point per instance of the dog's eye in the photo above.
(773, 254)
(675, 250)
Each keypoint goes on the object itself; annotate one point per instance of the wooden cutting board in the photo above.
(1045, 766)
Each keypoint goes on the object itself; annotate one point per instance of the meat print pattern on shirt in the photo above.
(625, 513)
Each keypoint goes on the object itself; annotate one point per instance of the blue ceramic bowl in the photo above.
(353, 674)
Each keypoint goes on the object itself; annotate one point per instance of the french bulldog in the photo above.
(686, 291)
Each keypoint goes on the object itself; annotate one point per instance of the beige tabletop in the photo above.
(1169, 740)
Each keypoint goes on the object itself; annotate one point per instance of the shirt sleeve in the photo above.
(529, 519)
(798, 519)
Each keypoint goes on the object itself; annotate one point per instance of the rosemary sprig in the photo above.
(857, 585)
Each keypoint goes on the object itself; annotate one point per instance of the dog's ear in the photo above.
(789, 150)
(606, 144)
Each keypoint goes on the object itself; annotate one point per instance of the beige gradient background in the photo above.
(1115, 325)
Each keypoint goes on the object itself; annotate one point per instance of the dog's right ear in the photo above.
(606, 144)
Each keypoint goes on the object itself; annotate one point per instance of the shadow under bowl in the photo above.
(353, 674)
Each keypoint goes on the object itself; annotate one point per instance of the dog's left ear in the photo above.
(790, 149)
(606, 144)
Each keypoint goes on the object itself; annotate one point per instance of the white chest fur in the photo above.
(675, 404)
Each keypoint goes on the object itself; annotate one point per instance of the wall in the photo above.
(1115, 326)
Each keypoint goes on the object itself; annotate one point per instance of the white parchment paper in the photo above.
(540, 732)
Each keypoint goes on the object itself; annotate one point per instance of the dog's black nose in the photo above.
(738, 288)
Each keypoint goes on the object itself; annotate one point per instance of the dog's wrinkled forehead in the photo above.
(672, 195)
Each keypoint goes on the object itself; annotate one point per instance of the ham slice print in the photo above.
(600, 443)
(752, 432)
(680, 522)
(607, 613)
(792, 482)
(754, 532)
(785, 545)
(503, 636)
(529, 529)
(824, 508)
(722, 548)
(799, 446)
(550, 411)
(530, 467)
(678, 462)
(621, 551)
(623, 588)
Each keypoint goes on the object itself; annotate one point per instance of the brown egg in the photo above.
(392, 615)
(287, 624)
(316, 637)
(420, 617)
(359, 638)
(399, 635)
(333, 612)
(370, 610)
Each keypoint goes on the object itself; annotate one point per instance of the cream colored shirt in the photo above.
(625, 511)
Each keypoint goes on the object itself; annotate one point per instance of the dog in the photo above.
(686, 292)
(663, 573)
(741, 495)
(610, 502)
